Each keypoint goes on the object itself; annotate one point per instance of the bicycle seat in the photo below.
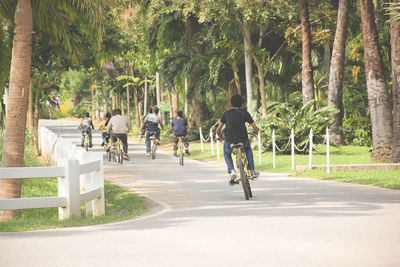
(237, 145)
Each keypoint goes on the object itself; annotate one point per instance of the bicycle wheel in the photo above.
(121, 153)
(181, 154)
(86, 142)
(109, 154)
(243, 178)
(153, 149)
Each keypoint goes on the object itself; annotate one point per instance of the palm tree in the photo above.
(307, 72)
(395, 45)
(378, 96)
(49, 14)
(335, 89)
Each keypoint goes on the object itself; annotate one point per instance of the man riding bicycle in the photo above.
(235, 132)
(119, 127)
(180, 128)
(151, 123)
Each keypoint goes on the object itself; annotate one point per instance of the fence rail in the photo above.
(80, 178)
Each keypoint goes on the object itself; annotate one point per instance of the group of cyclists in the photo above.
(117, 126)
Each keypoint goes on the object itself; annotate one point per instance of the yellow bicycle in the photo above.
(241, 165)
(181, 150)
(116, 152)
(86, 141)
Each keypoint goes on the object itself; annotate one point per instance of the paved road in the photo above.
(196, 219)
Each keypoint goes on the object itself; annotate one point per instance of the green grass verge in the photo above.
(120, 204)
(338, 156)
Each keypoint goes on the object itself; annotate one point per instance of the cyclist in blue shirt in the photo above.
(180, 128)
(86, 126)
(235, 132)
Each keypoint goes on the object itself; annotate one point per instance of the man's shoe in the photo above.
(158, 142)
(147, 154)
(102, 144)
(82, 144)
(254, 175)
(187, 152)
(126, 157)
(175, 155)
(90, 146)
(233, 178)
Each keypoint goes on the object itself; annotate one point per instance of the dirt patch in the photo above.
(381, 155)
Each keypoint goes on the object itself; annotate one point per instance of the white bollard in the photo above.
(212, 142)
(218, 149)
(259, 148)
(327, 151)
(292, 147)
(273, 149)
(201, 140)
(310, 152)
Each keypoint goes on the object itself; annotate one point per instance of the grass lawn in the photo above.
(338, 156)
(120, 204)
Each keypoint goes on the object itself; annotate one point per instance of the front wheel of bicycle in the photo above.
(181, 154)
(243, 179)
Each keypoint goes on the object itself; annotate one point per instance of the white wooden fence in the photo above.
(80, 178)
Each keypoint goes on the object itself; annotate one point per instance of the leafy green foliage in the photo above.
(357, 130)
(283, 118)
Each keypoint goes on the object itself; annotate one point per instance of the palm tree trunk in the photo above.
(335, 88)
(378, 96)
(13, 151)
(248, 67)
(146, 93)
(395, 45)
(307, 80)
(128, 96)
(186, 97)
(199, 109)
(174, 100)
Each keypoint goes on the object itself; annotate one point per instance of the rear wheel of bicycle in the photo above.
(121, 154)
(243, 179)
(153, 149)
(86, 143)
(181, 154)
(109, 154)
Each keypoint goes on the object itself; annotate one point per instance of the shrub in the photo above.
(282, 118)
(357, 131)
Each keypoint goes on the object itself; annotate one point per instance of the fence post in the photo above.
(201, 139)
(327, 151)
(310, 152)
(68, 187)
(212, 142)
(259, 147)
(98, 182)
(273, 148)
(292, 147)
(86, 180)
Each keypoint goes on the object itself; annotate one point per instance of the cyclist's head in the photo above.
(237, 101)
(108, 115)
(155, 110)
(87, 115)
(179, 113)
(116, 112)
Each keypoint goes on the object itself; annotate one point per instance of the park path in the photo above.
(196, 219)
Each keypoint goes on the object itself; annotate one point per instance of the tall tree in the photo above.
(248, 67)
(378, 95)
(335, 88)
(49, 17)
(395, 50)
(13, 151)
(307, 80)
